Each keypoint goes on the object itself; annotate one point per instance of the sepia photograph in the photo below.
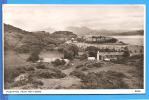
(88, 48)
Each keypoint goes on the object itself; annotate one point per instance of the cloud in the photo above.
(38, 17)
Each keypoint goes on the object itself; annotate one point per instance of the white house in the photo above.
(91, 58)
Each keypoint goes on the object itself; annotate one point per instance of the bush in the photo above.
(56, 70)
(40, 66)
(37, 82)
(28, 80)
(52, 73)
(11, 74)
(21, 80)
(89, 65)
(97, 64)
(77, 73)
(79, 66)
(17, 84)
(33, 58)
(29, 68)
(58, 62)
(104, 80)
(23, 69)
(45, 74)
(83, 57)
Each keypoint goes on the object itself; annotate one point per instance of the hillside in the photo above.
(22, 41)
(14, 36)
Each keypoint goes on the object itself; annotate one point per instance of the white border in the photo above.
(80, 91)
(77, 91)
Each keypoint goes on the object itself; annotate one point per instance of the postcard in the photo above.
(74, 49)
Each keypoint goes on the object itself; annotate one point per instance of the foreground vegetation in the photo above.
(78, 74)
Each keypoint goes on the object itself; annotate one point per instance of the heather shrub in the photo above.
(50, 73)
(104, 80)
(77, 73)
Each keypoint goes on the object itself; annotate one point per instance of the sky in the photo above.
(59, 17)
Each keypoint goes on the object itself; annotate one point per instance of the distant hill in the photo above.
(50, 30)
(137, 32)
(63, 35)
(80, 31)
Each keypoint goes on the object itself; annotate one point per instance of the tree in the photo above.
(126, 52)
(70, 51)
(83, 56)
(141, 50)
(35, 51)
(80, 39)
(92, 51)
(69, 55)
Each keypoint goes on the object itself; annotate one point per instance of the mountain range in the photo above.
(80, 31)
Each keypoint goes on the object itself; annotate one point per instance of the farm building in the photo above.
(108, 56)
